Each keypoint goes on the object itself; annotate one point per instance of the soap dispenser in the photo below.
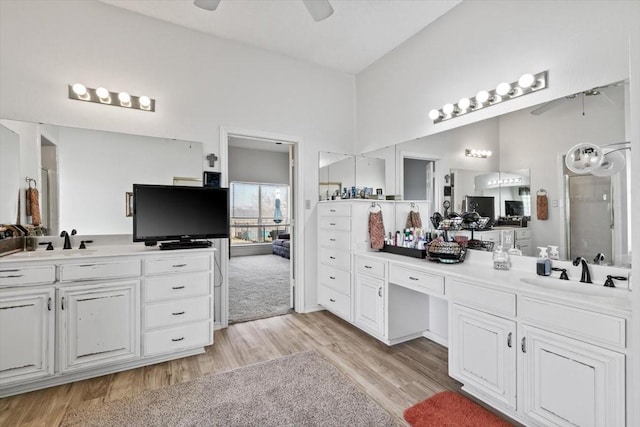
(543, 265)
(501, 257)
(553, 252)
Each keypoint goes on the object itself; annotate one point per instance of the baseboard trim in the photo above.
(436, 338)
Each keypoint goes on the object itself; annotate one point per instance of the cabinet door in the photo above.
(369, 301)
(99, 324)
(26, 334)
(566, 382)
(482, 353)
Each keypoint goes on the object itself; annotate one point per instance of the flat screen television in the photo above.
(179, 213)
(513, 208)
(484, 205)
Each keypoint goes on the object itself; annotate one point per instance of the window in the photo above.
(253, 212)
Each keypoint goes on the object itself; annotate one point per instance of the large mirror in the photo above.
(9, 175)
(86, 174)
(535, 140)
(338, 173)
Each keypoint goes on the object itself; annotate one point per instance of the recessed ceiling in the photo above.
(356, 35)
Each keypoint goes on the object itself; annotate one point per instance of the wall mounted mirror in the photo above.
(336, 171)
(536, 139)
(86, 174)
(9, 175)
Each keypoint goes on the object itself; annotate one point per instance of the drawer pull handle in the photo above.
(11, 276)
(332, 257)
(367, 266)
(8, 271)
(332, 300)
(62, 303)
(332, 277)
(332, 223)
(523, 344)
(86, 265)
(332, 210)
(333, 240)
(179, 265)
(380, 292)
(177, 287)
(413, 278)
(509, 339)
(49, 304)
(177, 339)
(178, 313)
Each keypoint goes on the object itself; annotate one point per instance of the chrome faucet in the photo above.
(67, 240)
(586, 276)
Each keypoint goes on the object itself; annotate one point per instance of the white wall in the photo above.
(248, 165)
(200, 83)
(477, 45)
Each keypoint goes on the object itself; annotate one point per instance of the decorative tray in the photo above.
(446, 252)
(399, 250)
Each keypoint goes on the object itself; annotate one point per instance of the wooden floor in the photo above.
(396, 377)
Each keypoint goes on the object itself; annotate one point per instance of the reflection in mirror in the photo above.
(536, 139)
(336, 172)
(93, 171)
(9, 175)
(370, 173)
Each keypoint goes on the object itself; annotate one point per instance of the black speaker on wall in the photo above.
(211, 179)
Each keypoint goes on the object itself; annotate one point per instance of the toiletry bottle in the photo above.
(501, 259)
(553, 252)
(543, 265)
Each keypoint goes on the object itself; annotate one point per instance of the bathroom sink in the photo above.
(576, 287)
(51, 254)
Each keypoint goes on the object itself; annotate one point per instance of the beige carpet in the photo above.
(302, 389)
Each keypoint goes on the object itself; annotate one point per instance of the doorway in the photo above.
(265, 246)
(49, 185)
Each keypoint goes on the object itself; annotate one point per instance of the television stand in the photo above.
(185, 244)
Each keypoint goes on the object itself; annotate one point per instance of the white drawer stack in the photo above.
(334, 265)
(177, 304)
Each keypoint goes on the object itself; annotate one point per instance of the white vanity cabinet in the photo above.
(369, 295)
(27, 339)
(66, 317)
(98, 323)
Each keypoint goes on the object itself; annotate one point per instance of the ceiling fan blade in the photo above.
(207, 4)
(318, 9)
(547, 106)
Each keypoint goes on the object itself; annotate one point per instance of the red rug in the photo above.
(449, 409)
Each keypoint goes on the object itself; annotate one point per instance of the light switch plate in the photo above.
(307, 204)
(554, 203)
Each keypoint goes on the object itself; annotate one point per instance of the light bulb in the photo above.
(102, 93)
(489, 153)
(526, 81)
(145, 101)
(434, 114)
(79, 89)
(503, 88)
(464, 103)
(124, 98)
(482, 96)
(448, 108)
(474, 152)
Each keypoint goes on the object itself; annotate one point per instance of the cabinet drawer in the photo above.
(177, 312)
(334, 209)
(574, 322)
(338, 280)
(370, 266)
(335, 302)
(522, 234)
(335, 239)
(176, 286)
(178, 338)
(177, 264)
(490, 300)
(99, 270)
(27, 276)
(418, 281)
(335, 258)
(335, 223)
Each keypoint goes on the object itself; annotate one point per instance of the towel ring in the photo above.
(373, 207)
(29, 181)
(414, 208)
(541, 192)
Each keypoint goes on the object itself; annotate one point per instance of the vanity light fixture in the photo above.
(526, 84)
(80, 92)
(483, 154)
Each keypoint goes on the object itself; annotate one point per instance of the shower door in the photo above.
(590, 216)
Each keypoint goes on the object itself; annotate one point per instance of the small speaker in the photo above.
(447, 190)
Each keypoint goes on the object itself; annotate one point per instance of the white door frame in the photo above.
(296, 221)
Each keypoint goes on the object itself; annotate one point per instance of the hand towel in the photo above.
(542, 205)
(376, 230)
(414, 220)
(33, 206)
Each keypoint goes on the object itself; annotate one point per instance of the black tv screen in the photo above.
(170, 212)
(484, 205)
(514, 207)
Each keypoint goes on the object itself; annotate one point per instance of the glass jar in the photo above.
(30, 243)
(501, 259)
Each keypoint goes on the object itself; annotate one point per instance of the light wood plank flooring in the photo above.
(396, 377)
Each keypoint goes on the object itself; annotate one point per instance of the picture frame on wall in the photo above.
(211, 179)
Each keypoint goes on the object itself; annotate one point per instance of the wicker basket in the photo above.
(447, 252)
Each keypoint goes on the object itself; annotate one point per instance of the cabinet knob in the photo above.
(509, 339)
